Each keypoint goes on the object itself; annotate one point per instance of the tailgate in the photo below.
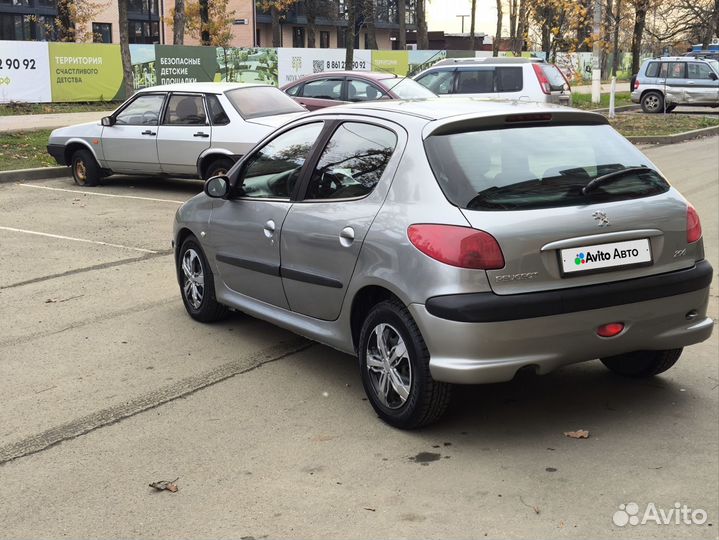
(586, 245)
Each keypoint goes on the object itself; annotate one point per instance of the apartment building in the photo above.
(149, 22)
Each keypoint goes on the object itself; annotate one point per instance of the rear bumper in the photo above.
(487, 352)
(57, 151)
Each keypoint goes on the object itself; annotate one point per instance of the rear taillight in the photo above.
(458, 246)
(542, 78)
(636, 84)
(694, 226)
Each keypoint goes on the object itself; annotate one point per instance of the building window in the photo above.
(101, 32)
(324, 40)
(146, 7)
(16, 27)
(341, 37)
(143, 31)
(298, 36)
(258, 38)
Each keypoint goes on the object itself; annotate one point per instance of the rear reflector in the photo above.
(694, 226)
(610, 329)
(457, 246)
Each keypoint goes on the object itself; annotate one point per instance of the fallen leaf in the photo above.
(370, 509)
(165, 485)
(50, 301)
(579, 434)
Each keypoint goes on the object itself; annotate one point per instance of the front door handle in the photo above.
(201, 134)
(269, 228)
(148, 132)
(347, 236)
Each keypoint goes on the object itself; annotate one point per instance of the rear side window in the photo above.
(475, 81)
(554, 76)
(653, 69)
(217, 113)
(537, 167)
(352, 163)
(440, 81)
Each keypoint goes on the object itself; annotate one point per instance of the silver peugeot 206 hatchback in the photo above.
(451, 241)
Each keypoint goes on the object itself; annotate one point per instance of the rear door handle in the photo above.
(269, 228)
(347, 236)
(149, 132)
(201, 134)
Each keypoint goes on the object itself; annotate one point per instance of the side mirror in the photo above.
(217, 187)
(107, 121)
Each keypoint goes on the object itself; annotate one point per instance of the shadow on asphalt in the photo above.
(160, 184)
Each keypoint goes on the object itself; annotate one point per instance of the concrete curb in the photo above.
(621, 108)
(672, 139)
(34, 174)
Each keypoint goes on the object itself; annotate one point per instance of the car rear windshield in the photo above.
(258, 101)
(539, 167)
(554, 76)
(407, 88)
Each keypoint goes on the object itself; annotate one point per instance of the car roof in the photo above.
(441, 108)
(206, 87)
(473, 61)
(375, 75)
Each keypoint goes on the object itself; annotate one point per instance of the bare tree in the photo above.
(125, 48)
(402, 13)
(640, 18)
(473, 14)
(350, 33)
(368, 11)
(311, 9)
(522, 27)
(178, 23)
(422, 39)
(498, 37)
(513, 16)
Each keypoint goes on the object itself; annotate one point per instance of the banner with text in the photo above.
(85, 72)
(24, 72)
(183, 64)
(293, 64)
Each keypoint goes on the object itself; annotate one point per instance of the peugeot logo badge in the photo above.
(602, 219)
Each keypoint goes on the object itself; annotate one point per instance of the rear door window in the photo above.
(185, 110)
(475, 80)
(508, 79)
(440, 81)
(323, 89)
(537, 167)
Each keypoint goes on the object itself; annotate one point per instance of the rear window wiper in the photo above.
(600, 180)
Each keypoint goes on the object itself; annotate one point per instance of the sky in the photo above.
(442, 15)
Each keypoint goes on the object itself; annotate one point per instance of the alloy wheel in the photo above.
(194, 285)
(389, 366)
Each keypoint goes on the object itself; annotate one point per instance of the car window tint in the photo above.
(475, 81)
(352, 162)
(323, 89)
(509, 79)
(217, 113)
(537, 167)
(699, 71)
(675, 70)
(439, 81)
(274, 169)
(653, 69)
(363, 91)
(144, 111)
(184, 110)
(258, 101)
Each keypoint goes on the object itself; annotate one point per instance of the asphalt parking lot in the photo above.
(108, 385)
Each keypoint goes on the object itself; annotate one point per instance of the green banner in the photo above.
(182, 64)
(396, 62)
(85, 72)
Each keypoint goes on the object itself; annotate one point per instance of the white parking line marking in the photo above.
(60, 237)
(102, 194)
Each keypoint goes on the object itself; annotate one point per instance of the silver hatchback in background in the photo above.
(506, 78)
(451, 241)
(662, 84)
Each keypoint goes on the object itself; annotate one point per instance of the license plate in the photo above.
(600, 257)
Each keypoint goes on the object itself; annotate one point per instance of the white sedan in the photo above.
(180, 130)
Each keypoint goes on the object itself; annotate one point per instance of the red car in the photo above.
(335, 87)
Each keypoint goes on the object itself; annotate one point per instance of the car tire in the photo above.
(642, 363)
(652, 102)
(218, 167)
(85, 170)
(401, 390)
(197, 285)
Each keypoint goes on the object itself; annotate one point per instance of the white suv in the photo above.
(507, 78)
